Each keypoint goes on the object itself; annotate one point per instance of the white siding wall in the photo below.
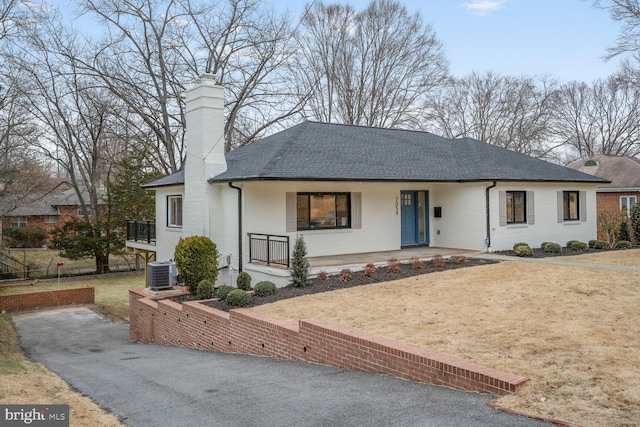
(166, 237)
(546, 227)
(463, 222)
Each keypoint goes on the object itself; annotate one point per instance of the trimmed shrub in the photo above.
(437, 261)
(592, 244)
(523, 251)
(244, 281)
(323, 275)
(299, 263)
(459, 259)
(601, 244)
(577, 246)
(519, 244)
(624, 244)
(223, 291)
(205, 289)
(552, 248)
(238, 298)
(264, 288)
(394, 268)
(369, 270)
(345, 275)
(196, 258)
(416, 264)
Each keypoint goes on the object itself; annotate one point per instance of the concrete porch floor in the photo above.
(383, 257)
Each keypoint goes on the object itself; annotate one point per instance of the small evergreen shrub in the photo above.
(623, 232)
(369, 270)
(196, 258)
(323, 275)
(265, 288)
(601, 244)
(394, 268)
(238, 298)
(24, 237)
(624, 244)
(552, 248)
(205, 289)
(635, 221)
(223, 291)
(592, 244)
(577, 246)
(519, 244)
(459, 259)
(244, 281)
(523, 251)
(345, 275)
(543, 244)
(437, 261)
(299, 263)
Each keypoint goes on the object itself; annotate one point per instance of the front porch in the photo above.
(382, 258)
(333, 264)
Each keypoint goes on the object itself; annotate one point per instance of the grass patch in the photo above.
(574, 331)
(112, 291)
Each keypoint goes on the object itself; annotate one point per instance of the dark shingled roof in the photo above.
(173, 179)
(623, 172)
(332, 152)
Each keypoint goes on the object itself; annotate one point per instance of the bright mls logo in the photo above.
(34, 415)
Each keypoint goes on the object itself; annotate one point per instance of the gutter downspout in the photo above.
(488, 239)
(239, 225)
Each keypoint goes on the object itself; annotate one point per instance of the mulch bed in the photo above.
(538, 253)
(332, 283)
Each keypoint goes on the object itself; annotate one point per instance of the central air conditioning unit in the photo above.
(161, 274)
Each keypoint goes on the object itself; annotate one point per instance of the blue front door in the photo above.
(414, 208)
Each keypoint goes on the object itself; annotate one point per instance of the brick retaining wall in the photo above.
(53, 298)
(192, 324)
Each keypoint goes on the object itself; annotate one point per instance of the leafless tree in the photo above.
(371, 68)
(510, 112)
(75, 116)
(153, 49)
(603, 117)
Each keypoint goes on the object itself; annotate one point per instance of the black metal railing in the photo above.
(269, 248)
(141, 231)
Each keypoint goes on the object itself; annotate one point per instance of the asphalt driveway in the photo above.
(153, 385)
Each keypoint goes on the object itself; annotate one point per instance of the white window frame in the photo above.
(629, 204)
(18, 221)
(174, 211)
(82, 211)
(51, 219)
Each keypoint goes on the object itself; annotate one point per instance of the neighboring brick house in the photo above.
(624, 189)
(46, 211)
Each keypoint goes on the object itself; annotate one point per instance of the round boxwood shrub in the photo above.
(196, 258)
(577, 246)
(601, 244)
(223, 291)
(592, 243)
(205, 289)
(265, 288)
(623, 244)
(244, 281)
(523, 250)
(551, 247)
(238, 298)
(520, 244)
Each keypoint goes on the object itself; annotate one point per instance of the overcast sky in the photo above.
(565, 38)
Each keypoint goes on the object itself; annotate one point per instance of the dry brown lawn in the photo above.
(574, 331)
